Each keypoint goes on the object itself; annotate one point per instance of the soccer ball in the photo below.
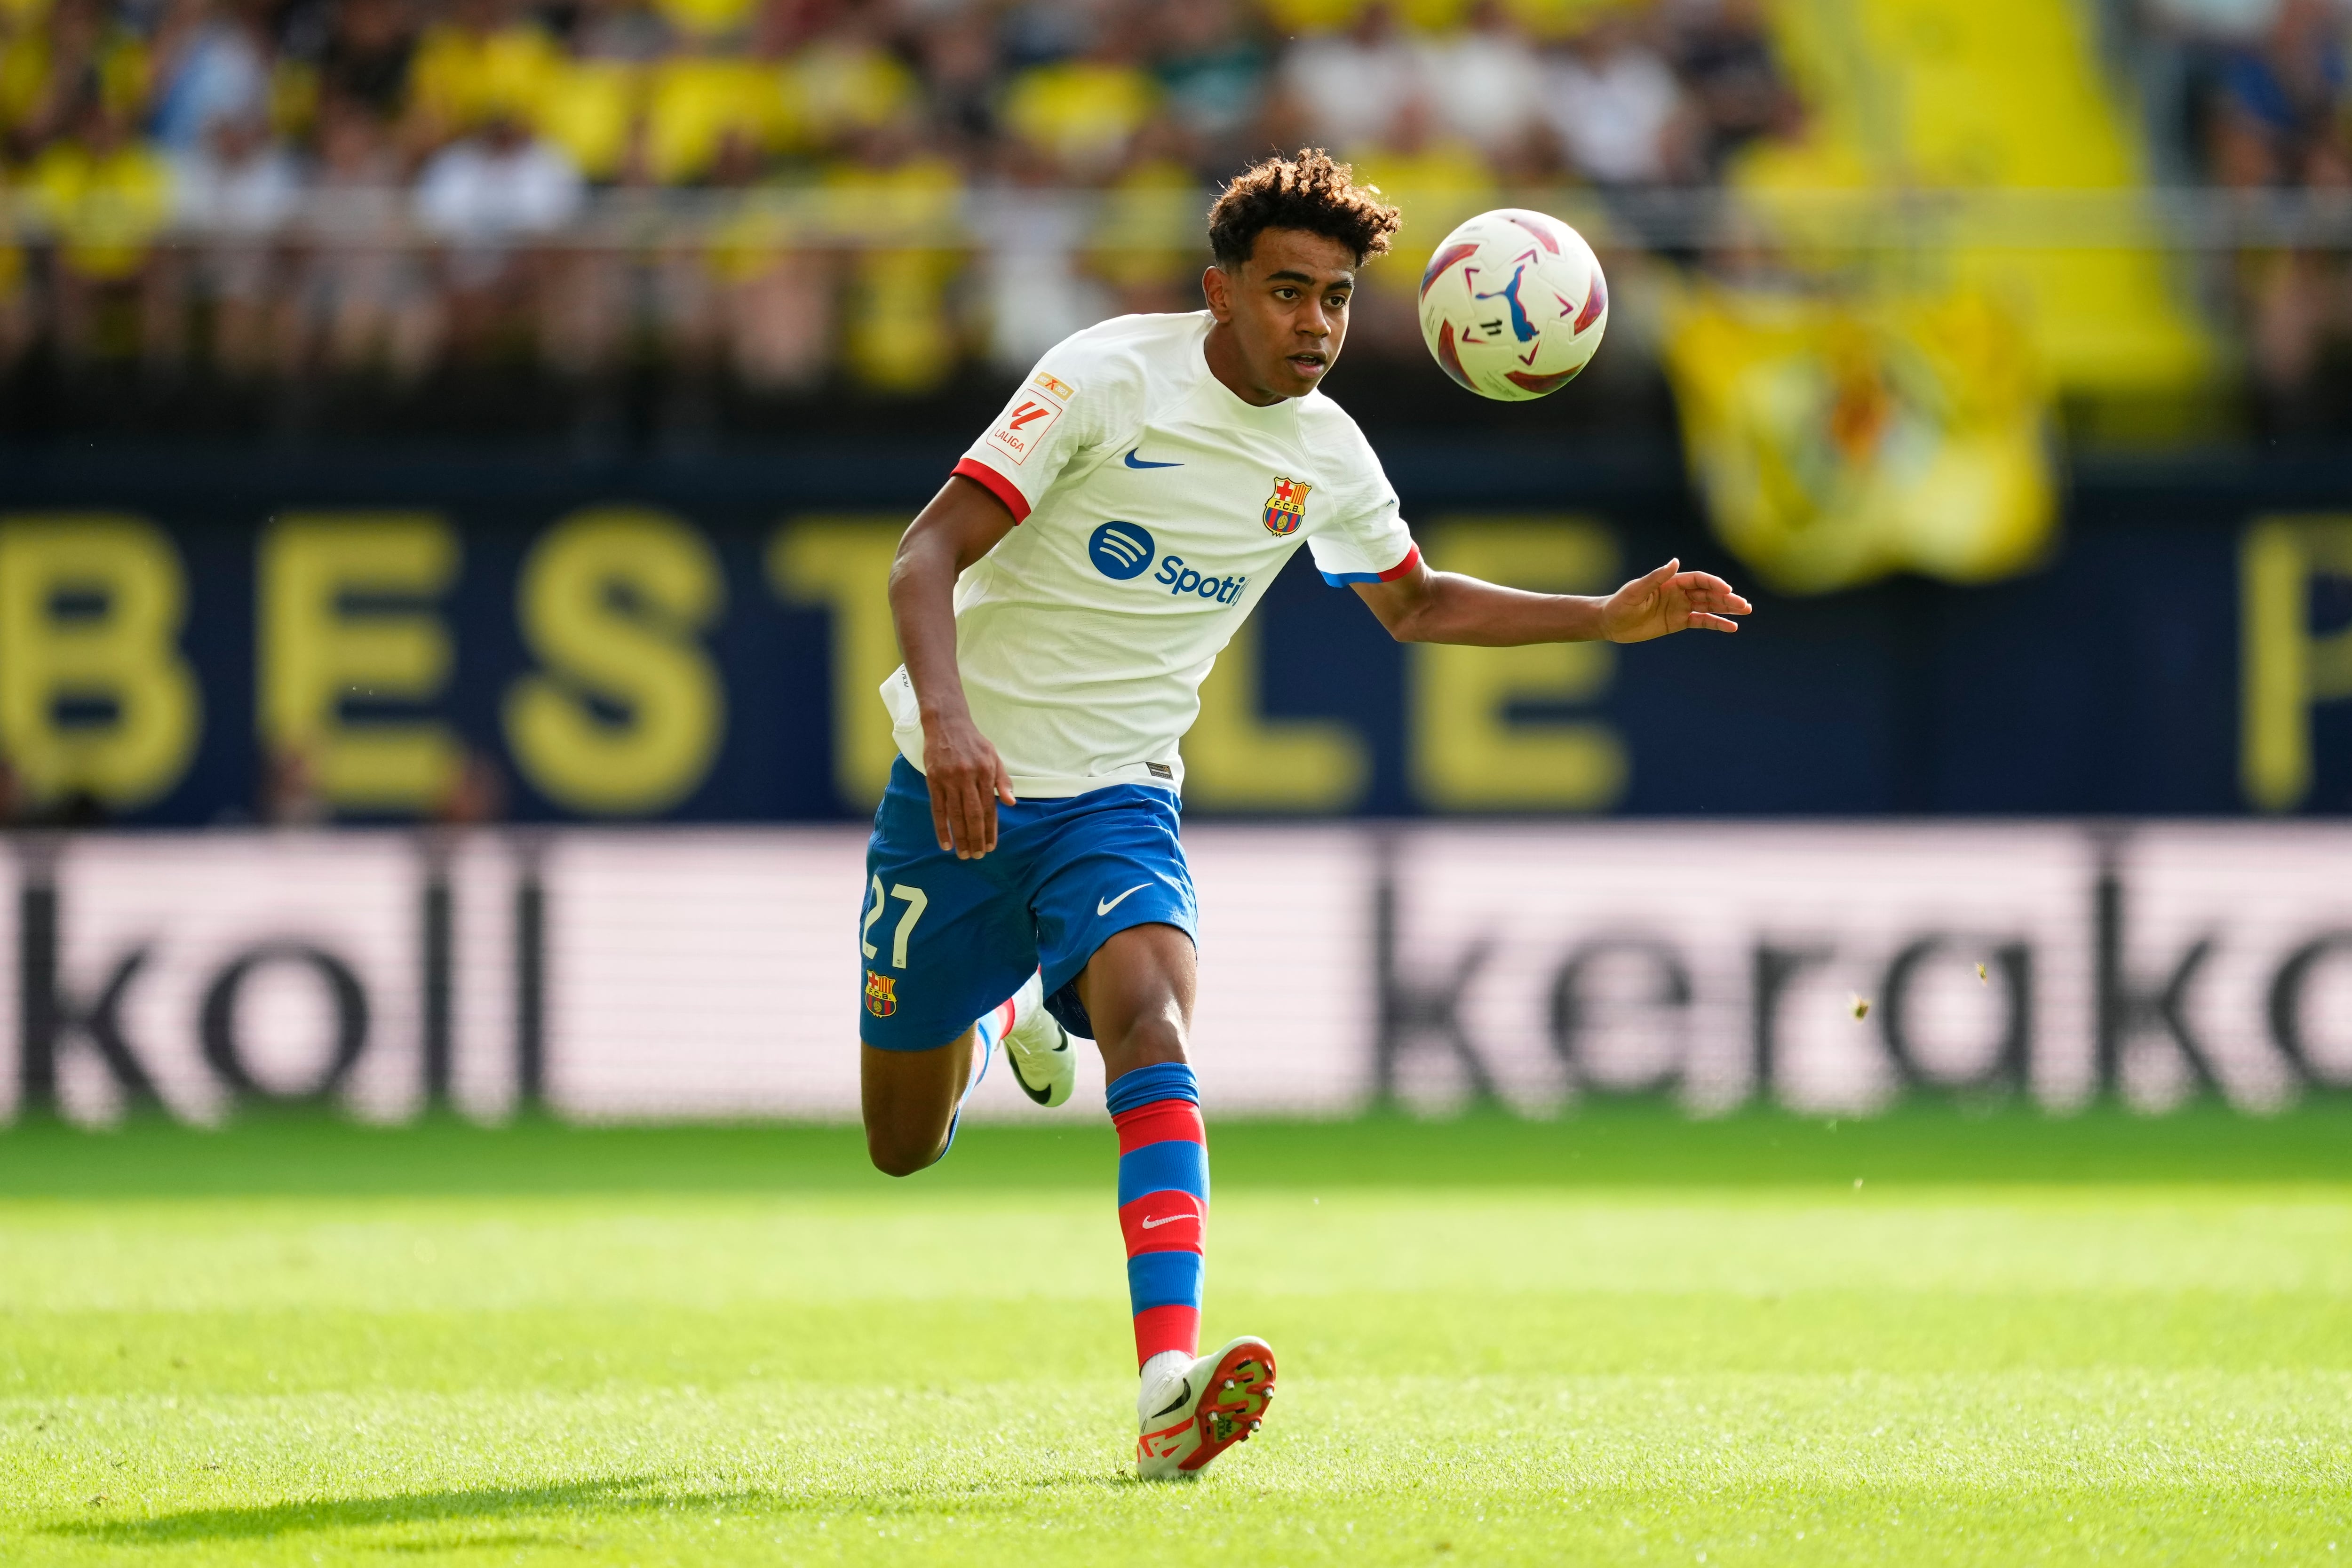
(1513, 304)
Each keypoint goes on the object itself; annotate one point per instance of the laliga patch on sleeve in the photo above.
(1023, 426)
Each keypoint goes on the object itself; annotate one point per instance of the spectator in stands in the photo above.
(492, 199)
(84, 56)
(1039, 32)
(898, 335)
(959, 62)
(19, 307)
(1484, 82)
(762, 299)
(2277, 101)
(695, 103)
(2274, 118)
(1620, 114)
(1437, 179)
(235, 193)
(1079, 114)
(634, 31)
(1213, 72)
(1146, 244)
(1348, 84)
(1029, 276)
(486, 59)
(1734, 74)
(211, 66)
(107, 196)
(848, 81)
(24, 68)
(368, 49)
(449, 140)
(363, 299)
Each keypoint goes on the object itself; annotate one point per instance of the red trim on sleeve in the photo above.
(1000, 486)
(1412, 559)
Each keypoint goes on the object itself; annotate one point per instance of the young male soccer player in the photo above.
(1059, 602)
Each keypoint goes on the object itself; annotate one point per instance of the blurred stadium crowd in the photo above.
(783, 194)
(2250, 96)
(382, 185)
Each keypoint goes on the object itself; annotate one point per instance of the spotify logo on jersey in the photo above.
(1122, 550)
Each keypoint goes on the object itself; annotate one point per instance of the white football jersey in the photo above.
(1153, 508)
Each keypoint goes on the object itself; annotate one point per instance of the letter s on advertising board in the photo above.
(612, 601)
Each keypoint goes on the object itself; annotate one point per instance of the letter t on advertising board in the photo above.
(843, 564)
(342, 616)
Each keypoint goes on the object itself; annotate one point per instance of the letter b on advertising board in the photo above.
(95, 697)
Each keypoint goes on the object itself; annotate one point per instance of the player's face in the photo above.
(1285, 311)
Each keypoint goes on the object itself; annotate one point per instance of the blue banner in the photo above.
(194, 639)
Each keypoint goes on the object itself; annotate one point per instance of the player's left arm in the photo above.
(1423, 606)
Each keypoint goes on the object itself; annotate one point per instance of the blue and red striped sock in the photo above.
(1163, 1204)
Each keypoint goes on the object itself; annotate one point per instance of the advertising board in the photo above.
(184, 646)
(686, 973)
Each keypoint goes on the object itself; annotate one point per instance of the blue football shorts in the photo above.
(945, 940)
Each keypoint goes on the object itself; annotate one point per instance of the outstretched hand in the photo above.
(1670, 600)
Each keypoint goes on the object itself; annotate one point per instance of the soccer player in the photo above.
(1059, 602)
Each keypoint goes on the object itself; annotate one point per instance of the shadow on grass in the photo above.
(620, 1494)
(610, 1495)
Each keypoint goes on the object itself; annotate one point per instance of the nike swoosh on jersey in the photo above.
(1149, 1223)
(1104, 907)
(1134, 462)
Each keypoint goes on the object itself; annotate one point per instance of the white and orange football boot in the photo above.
(1035, 1043)
(1192, 1414)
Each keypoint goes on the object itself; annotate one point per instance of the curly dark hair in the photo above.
(1309, 192)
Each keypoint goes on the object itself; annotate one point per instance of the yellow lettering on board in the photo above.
(843, 563)
(1468, 752)
(2285, 668)
(625, 714)
(344, 613)
(90, 610)
(1237, 759)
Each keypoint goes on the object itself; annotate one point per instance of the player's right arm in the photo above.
(967, 778)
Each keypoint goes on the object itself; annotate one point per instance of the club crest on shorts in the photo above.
(881, 993)
(1286, 509)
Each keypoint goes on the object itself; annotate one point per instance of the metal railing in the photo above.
(827, 218)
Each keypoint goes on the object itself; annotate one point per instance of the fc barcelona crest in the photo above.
(1286, 509)
(881, 993)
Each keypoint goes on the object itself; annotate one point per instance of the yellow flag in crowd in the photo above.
(1837, 442)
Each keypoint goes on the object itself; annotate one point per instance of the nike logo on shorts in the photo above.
(1150, 1224)
(1104, 907)
(1134, 462)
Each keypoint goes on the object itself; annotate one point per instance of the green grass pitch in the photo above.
(1617, 1338)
